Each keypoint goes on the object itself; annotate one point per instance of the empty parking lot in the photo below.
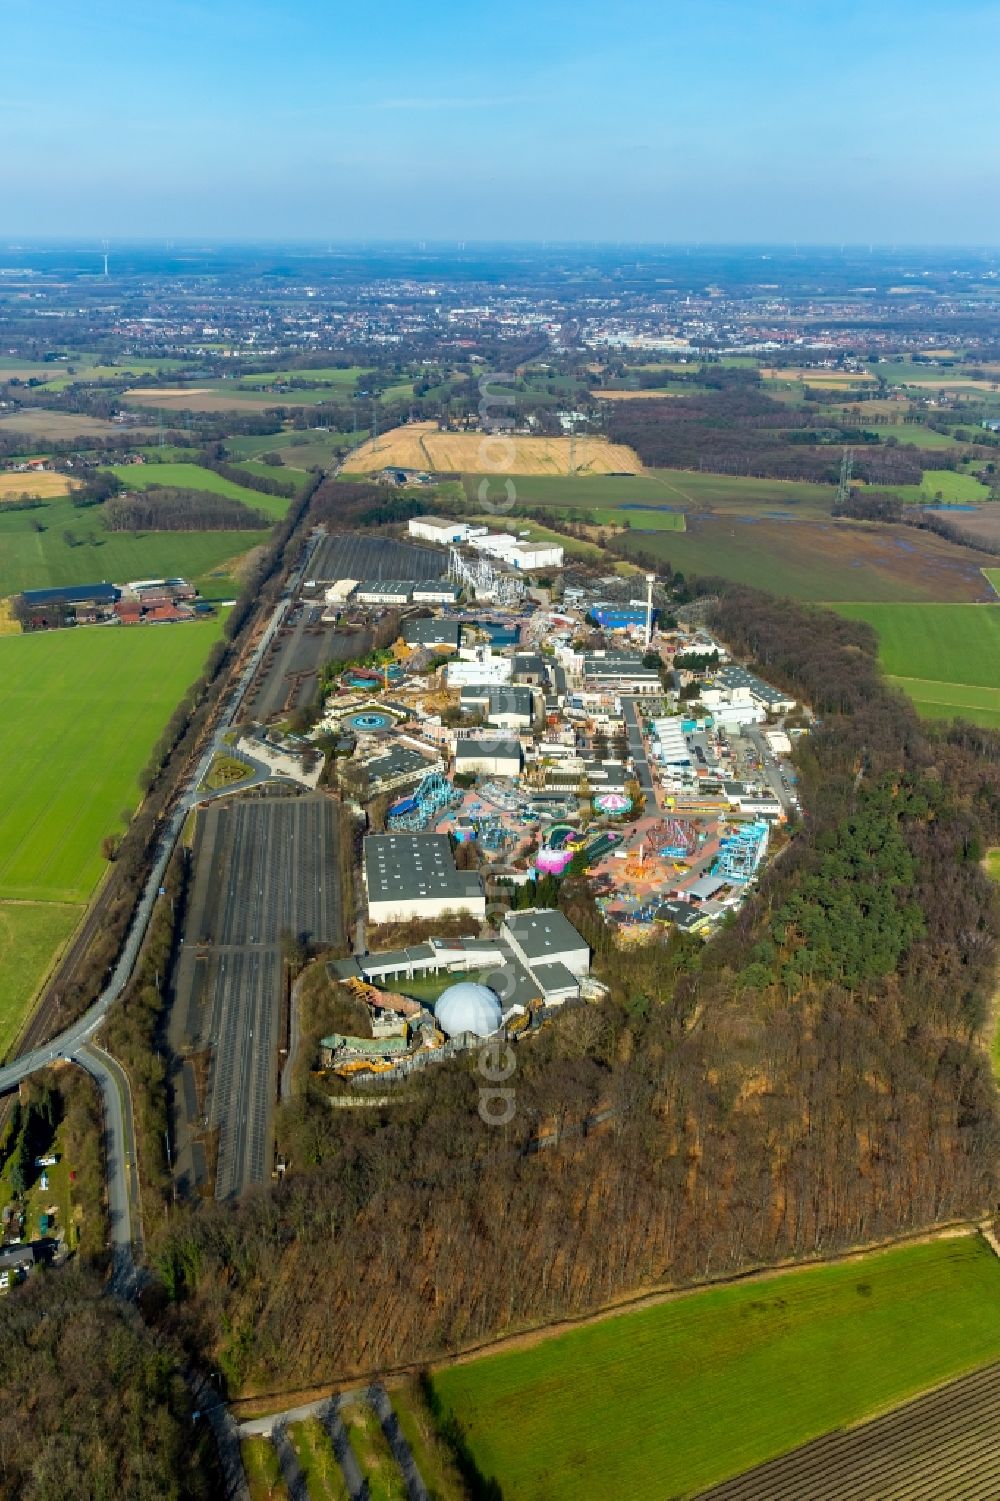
(262, 868)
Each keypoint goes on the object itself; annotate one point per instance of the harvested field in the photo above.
(227, 396)
(37, 486)
(982, 523)
(823, 560)
(831, 379)
(668, 1400)
(941, 1445)
(420, 445)
(37, 422)
(643, 395)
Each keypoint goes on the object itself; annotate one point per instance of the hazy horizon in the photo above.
(717, 123)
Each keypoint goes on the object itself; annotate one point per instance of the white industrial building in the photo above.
(541, 938)
(518, 552)
(384, 592)
(438, 529)
(437, 592)
(509, 708)
(480, 669)
(414, 876)
(492, 756)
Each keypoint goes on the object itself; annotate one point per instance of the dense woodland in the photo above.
(810, 1079)
(163, 508)
(738, 429)
(93, 1408)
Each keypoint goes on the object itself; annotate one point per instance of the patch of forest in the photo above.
(93, 1405)
(809, 1080)
(162, 508)
(738, 429)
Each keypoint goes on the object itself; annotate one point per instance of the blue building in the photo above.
(620, 617)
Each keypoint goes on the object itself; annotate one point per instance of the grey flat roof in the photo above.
(466, 750)
(406, 867)
(542, 935)
(386, 586)
(395, 761)
(344, 969)
(68, 594)
(555, 977)
(431, 632)
(500, 700)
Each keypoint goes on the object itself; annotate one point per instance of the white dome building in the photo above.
(468, 1007)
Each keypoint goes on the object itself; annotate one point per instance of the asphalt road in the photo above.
(74, 1043)
(636, 749)
(771, 770)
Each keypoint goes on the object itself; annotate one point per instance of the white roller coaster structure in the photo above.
(483, 579)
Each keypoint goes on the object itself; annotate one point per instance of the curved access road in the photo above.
(75, 1044)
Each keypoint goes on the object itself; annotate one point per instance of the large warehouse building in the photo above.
(411, 876)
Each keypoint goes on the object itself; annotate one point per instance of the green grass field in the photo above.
(945, 657)
(31, 934)
(946, 487)
(88, 706)
(284, 475)
(330, 375)
(194, 477)
(673, 487)
(433, 1458)
(669, 1400)
(39, 560)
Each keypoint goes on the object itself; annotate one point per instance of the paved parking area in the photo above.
(261, 868)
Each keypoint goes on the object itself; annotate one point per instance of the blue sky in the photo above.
(665, 120)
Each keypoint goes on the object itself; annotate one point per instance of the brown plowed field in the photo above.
(943, 1446)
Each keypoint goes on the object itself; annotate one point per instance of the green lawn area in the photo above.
(322, 1474)
(39, 560)
(282, 473)
(946, 657)
(945, 643)
(330, 375)
(194, 477)
(952, 486)
(666, 1401)
(31, 935)
(639, 518)
(672, 487)
(88, 706)
(926, 437)
(260, 1460)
